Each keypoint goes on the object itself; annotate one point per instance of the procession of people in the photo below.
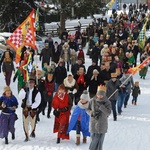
(80, 96)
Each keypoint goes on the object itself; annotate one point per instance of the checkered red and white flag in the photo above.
(24, 35)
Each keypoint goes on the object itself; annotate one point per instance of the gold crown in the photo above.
(101, 88)
(113, 75)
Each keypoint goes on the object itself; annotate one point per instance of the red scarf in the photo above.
(49, 86)
(80, 79)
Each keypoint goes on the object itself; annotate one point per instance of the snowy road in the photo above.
(130, 132)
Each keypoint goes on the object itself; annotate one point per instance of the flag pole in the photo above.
(120, 86)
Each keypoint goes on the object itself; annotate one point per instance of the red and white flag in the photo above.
(24, 35)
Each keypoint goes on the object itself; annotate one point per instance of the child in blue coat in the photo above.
(80, 120)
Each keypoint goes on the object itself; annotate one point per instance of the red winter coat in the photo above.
(81, 55)
(61, 123)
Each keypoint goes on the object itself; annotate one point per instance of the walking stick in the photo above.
(120, 86)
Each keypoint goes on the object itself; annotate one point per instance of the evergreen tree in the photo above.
(14, 12)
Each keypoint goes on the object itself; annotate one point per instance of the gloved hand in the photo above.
(3, 105)
(4, 73)
(74, 91)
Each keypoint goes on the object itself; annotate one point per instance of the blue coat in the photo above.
(9, 102)
(84, 121)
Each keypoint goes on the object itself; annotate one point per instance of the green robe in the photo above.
(20, 77)
(143, 71)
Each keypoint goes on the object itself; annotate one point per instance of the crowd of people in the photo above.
(65, 79)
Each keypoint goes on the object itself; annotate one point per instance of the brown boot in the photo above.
(84, 139)
(78, 139)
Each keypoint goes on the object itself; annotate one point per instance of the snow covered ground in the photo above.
(130, 132)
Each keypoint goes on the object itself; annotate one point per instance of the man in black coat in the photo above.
(56, 52)
(92, 67)
(60, 74)
(76, 66)
(105, 75)
(41, 87)
(73, 45)
(46, 55)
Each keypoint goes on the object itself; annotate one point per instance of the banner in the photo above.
(139, 67)
(113, 4)
(142, 37)
(24, 35)
(28, 68)
(37, 25)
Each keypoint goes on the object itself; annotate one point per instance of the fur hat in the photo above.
(84, 95)
(101, 90)
(7, 88)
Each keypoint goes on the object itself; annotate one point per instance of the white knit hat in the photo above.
(84, 95)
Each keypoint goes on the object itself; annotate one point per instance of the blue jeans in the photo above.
(126, 99)
(120, 101)
(113, 105)
(56, 86)
(134, 99)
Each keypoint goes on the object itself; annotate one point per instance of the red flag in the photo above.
(139, 67)
(24, 35)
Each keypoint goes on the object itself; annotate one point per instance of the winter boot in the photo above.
(37, 118)
(32, 134)
(58, 140)
(26, 139)
(78, 139)
(13, 136)
(6, 140)
(84, 139)
(43, 112)
(48, 113)
(134, 103)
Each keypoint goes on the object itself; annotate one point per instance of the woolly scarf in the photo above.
(68, 84)
(80, 79)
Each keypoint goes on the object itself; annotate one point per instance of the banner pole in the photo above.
(120, 86)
